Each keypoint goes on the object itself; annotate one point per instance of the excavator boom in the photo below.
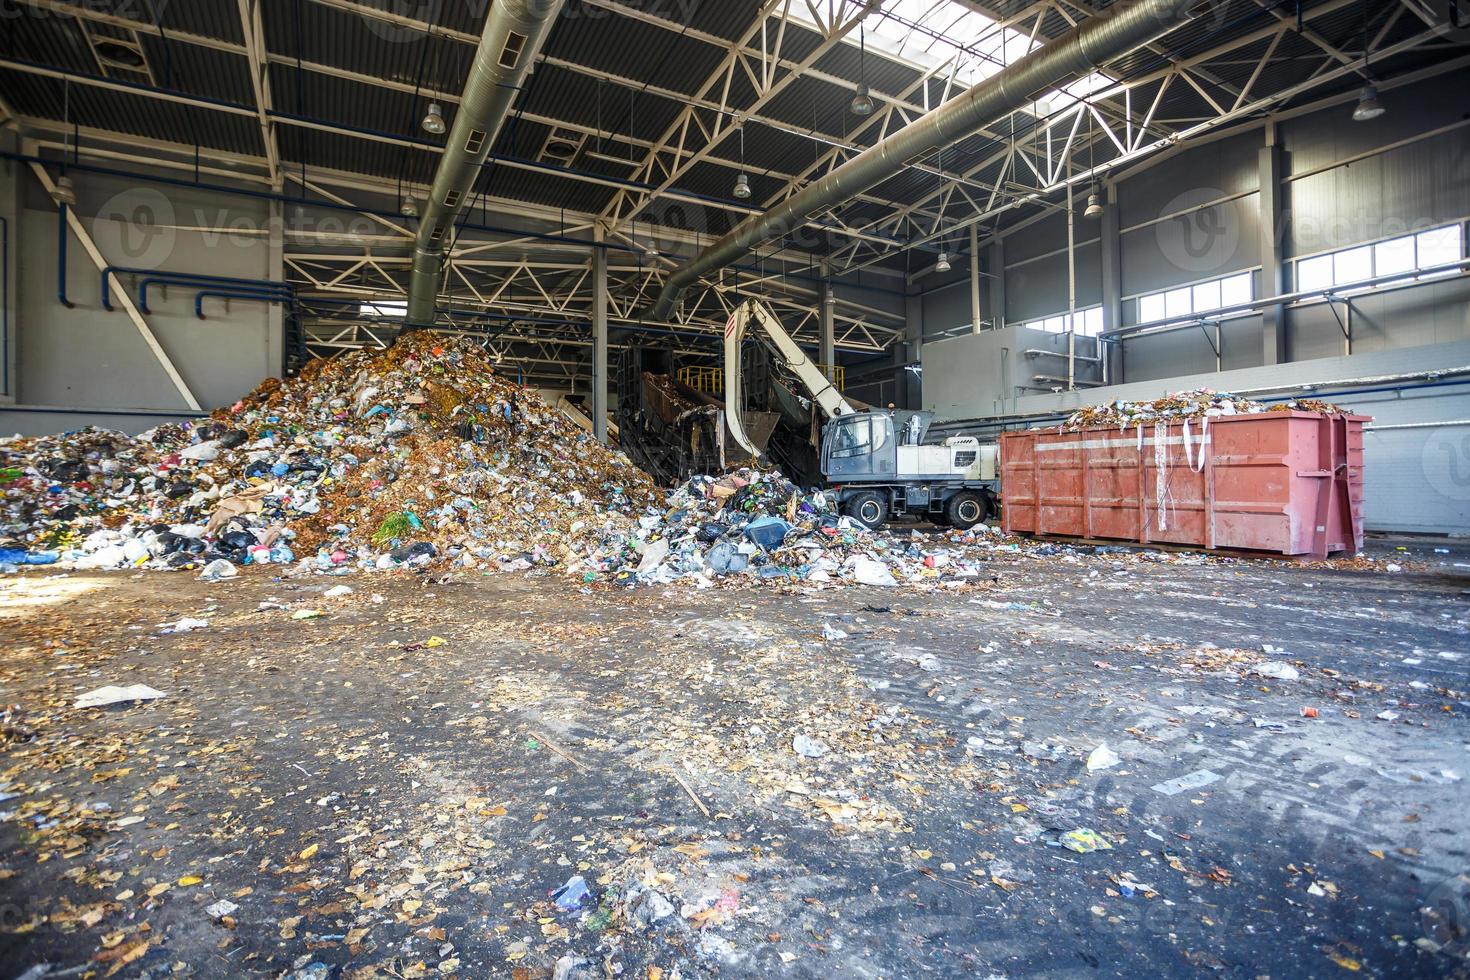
(824, 394)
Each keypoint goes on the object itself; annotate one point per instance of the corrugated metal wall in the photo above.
(1345, 184)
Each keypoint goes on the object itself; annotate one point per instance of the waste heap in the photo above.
(1202, 403)
(373, 459)
(416, 454)
(757, 524)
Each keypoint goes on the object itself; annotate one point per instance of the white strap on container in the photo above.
(1188, 448)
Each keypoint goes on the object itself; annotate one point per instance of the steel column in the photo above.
(976, 314)
(997, 262)
(599, 340)
(1273, 318)
(1112, 279)
(827, 345)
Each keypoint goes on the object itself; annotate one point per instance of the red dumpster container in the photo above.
(1284, 482)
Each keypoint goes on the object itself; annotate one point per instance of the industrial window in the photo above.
(1404, 254)
(1089, 322)
(387, 308)
(1199, 298)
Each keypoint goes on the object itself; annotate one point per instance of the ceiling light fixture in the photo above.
(409, 208)
(742, 181)
(65, 192)
(862, 102)
(1094, 204)
(943, 264)
(1368, 106)
(1094, 199)
(434, 120)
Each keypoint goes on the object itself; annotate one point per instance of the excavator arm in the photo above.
(824, 394)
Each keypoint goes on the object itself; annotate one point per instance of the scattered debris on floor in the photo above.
(521, 776)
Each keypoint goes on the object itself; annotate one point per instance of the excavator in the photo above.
(875, 461)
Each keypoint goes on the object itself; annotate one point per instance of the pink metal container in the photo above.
(1283, 482)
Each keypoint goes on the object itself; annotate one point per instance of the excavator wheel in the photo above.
(966, 509)
(867, 508)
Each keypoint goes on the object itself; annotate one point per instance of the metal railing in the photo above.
(711, 380)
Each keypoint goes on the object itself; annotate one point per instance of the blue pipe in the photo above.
(281, 288)
(240, 294)
(62, 233)
(182, 279)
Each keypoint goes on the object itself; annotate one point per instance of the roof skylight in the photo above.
(950, 36)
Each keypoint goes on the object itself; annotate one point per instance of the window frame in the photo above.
(1189, 291)
(1078, 316)
(1373, 250)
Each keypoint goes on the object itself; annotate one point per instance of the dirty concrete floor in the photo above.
(376, 803)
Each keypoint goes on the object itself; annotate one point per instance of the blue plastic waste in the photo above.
(572, 895)
(20, 556)
(767, 532)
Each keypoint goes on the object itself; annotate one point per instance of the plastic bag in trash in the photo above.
(869, 571)
(724, 559)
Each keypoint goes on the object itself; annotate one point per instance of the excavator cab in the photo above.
(861, 446)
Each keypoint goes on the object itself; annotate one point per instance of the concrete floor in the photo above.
(379, 806)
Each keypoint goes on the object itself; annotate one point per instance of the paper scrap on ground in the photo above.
(112, 694)
(1180, 784)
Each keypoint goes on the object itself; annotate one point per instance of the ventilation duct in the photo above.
(514, 32)
(1081, 50)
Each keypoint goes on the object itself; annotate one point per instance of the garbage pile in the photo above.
(374, 459)
(421, 453)
(754, 523)
(1202, 403)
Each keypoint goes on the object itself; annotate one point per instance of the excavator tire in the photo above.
(966, 509)
(868, 508)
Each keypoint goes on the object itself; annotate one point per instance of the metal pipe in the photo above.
(1374, 427)
(1095, 42)
(179, 279)
(513, 34)
(240, 294)
(1039, 352)
(283, 289)
(62, 233)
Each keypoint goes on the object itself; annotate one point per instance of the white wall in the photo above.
(86, 365)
